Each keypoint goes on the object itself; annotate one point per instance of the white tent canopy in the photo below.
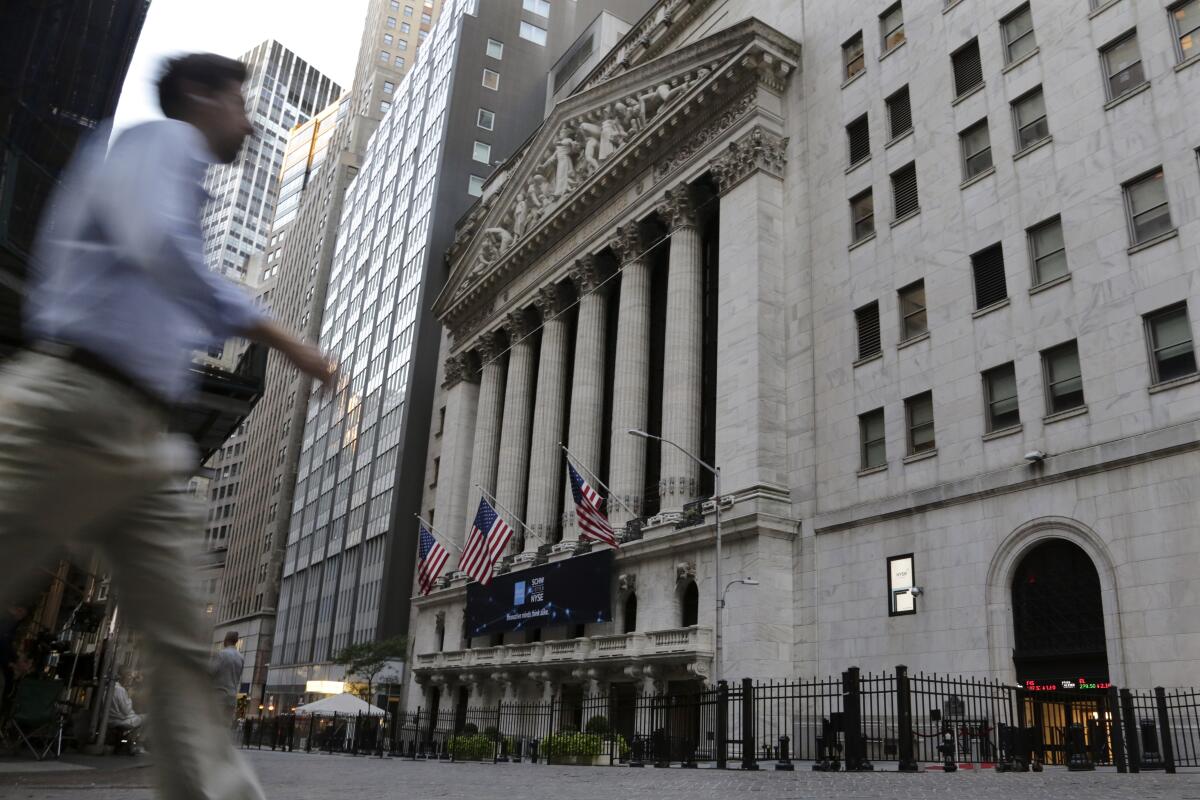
(340, 704)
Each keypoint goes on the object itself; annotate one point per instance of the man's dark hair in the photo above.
(207, 70)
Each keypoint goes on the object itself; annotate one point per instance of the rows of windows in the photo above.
(1171, 356)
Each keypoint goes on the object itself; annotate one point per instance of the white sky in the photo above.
(325, 34)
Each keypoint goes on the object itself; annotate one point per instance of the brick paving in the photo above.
(297, 776)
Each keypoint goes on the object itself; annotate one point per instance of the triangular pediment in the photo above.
(589, 133)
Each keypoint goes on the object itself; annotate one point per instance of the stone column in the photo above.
(486, 449)
(461, 384)
(512, 477)
(683, 351)
(751, 334)
(627, 470)
(545, 457)
(587, 384)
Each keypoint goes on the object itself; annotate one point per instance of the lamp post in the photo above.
(719, 598)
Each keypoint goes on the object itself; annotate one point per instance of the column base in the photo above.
(523, 559)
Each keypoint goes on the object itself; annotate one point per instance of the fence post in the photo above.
(749, 757)
(662, 754)
(1116, 730)
(722, 738)
(1129, 717)
(1164, 726)
(908, 760)
(496, 757)
(856, 755)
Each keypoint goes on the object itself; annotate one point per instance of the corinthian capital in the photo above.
(548, 301)
(584, 274)
(678, 209)
(626, 243)
(457, 370)
(757, 150)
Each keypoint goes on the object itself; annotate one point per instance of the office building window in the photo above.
(399, 61)
(539, 7)
(1029, 118)
(899, 110)
(1047, 250)
(395, 5)
(1062, 377)
(988, 268)
(1122, 65)
(866, 320)
(1185, 18)
(491, 79)
(901, 597)
(904, 191)
(426, 19)
(1000, 394)
(1017, 30)
(918, 413)
(495, 49)
(384, 56)
(475, 186)
(1169, 335)
(968, 69)
(482, 153)
(402, 44)
(1146, 206)
(408, 11)
(384, 105)
(391, 22)
(891, 28)
(421, 35)
(387, 39)
(852, 56)
(388, 87)
(485, 119)
(858, 140)
(862, 216)
(872, 436)
(976, 149)
(913, 318)
(533, 33)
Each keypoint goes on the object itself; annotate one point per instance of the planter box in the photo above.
(602, 760)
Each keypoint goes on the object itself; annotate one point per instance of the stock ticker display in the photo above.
(571, 592)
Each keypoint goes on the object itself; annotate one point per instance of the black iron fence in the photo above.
(854, 722)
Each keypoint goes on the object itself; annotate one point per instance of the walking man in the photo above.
(227, 675)
(118, 299)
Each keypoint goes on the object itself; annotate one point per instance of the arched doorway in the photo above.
(1058, 618)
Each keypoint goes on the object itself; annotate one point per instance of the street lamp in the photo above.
(748, 581)
(719, 599)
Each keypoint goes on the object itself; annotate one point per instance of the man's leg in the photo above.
(189, 734)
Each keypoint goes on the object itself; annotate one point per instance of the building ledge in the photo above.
(1134, 92)
(1059, 416)
(915, 457)
(854, 77)
(887, 53)
(1187, 62)
(868, 359)
(974, 90)
(862, 473)
(908, 133)
(901, 220)
(1162, 237)
(1100, 9)
(1014, 64)
(1003, 432)
(857, 164)
(1174, 384)
(910, 341)
(996, 306)
(974, 179)
(1031, 148)
(868, 238)
(1041, 287)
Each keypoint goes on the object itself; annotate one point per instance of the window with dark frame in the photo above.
(918, 413)
(901, 599)
(976, 149)
(866, 320)
(1185, 21)
(1122, 65)
(905, 199)
(485, 119)
(1047, 251)
(1029, 118)
(853, 61)
(858, 140)
(1169, 337)
(862, 215)
(1017, 32)
(968, 68)
(1000, 396)
(1147, 206)
(987, 266)
(913, 318)
(899, 108)
(873, 437)
(1062, 377)
(891, 28)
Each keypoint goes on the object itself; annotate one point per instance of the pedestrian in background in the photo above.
(227, 675)
(119, 298)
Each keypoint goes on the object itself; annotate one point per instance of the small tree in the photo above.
(367, 659)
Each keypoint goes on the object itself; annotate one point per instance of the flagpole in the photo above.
(595, 477)
(437, 533)
(492, 497)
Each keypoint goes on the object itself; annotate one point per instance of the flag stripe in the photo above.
(432, 558)
(593, 523)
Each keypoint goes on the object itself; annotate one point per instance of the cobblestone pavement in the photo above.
(298, 776)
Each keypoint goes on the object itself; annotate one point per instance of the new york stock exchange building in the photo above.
(946, 372)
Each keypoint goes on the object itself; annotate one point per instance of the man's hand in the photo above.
(303, 356)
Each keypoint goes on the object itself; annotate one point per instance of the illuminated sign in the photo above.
(325, 687)
(571, 592)
(1065, 684)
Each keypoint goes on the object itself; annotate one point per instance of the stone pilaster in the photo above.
(461, 386)
(586, 429)
(512, 477)
(490, 407)
(683, 351)
(627, 472)
(545, 458)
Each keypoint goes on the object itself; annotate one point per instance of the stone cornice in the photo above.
(757, 151)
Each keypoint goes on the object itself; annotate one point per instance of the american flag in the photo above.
(431, 558)
(592, 521)
(485, 544)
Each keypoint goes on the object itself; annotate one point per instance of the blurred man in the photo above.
(118, 300)
(227, 675)
(121, 716)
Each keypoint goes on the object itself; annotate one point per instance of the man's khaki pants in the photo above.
(85, 461)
